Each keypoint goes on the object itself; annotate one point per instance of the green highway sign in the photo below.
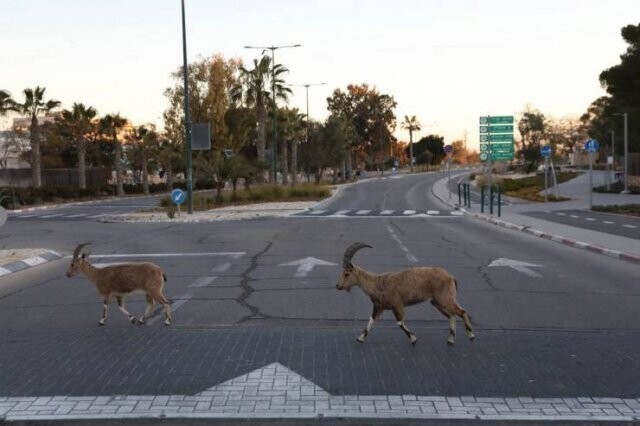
(496, 129)
(501, 156)
(506, 137)
(502, 119)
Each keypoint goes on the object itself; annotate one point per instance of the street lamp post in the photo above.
(273, 95)
(306, 86)
(187, 117)
(626, 154)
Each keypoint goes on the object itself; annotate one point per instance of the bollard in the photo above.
(491, 199)
(482, 198)
(468, 188)
(459, 195)
(499, 202)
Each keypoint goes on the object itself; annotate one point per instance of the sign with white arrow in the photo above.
(518, 266)
(306, 265)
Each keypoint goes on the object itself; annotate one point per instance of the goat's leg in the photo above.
(147, 311)
(105, 305)
(440, 308)
(159, 297)
(399, 314)
(120, 300)
(452, 330)
(377, 311)
(467, 323)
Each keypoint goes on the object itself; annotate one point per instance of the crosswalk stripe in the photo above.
(342, 212)
(75, 215)
(590, 219)
(433, 212)
(408, 212)
(629, 226)
(608, 222)
(363, 212)
(574, 216)
(316, 212)
(47, 216)
(94, 216)
(456, 213)
(27, 215)
(386, 212)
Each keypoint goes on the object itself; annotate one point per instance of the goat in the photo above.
(396, 290)
(122, 280)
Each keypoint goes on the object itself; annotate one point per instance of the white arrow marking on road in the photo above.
(306, 265)
(518, 266)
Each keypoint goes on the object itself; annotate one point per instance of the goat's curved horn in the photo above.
(350, 251)
(76, 252)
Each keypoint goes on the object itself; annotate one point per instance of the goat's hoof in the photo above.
(472, 337)
(167, 322)
(101, 322)
(449, 343)
(141, 321)
(360, 340)
(132, 319)
(413, 340)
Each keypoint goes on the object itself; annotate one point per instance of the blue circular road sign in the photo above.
(448, 149)
(545, 150)
(178, 196)
(591, 145)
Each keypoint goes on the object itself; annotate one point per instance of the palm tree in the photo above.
(254, 92)
(293, 130)
(411, 124)
(78, 123)
(33, 106)
(6, 103)
(144, 140)
(110, 125)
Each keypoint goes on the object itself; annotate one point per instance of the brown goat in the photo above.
(396, 290)
(122, 280)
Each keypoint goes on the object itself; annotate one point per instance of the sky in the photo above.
(446, 62)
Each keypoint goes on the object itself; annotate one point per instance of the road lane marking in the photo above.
(433, 212)
(408, 212)
(27, 215)
(222, 267)
(404, 248)
(574, 216)
(234, 254)
(561, 214)
(317, 212)
(629, 226)
(342, 212)
(203, 281)
(47, 216)
(386, 212)
(608, 222)
(363, 212)
(590, 219)
(76, 215)
(518, 266)
(306, 265)
(457, 213)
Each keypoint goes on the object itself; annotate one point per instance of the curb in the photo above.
(75, 203)
(616, 254)
(20, 265)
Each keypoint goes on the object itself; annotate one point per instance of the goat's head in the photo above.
(77, 260)
(347, 277)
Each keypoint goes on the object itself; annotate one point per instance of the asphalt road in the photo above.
(564, 327)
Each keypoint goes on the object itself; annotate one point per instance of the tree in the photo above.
(111, 125)
(144, 141)
(532, 127)
(370, 115)
(411, 124)
(33, 106)
(7, 103)
(78, 124)
(292, 126)
(429, 150)
(254, 91)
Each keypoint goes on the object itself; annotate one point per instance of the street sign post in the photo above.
(178, 197)
(591, 146)
(496, 138)
(546, 153)
(448, 149)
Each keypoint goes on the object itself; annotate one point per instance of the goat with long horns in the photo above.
(122, 280)
(397, 290)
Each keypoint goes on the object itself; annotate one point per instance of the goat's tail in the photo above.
(164, 277)
(456, 283)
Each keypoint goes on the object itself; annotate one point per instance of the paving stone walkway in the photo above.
(275, 391)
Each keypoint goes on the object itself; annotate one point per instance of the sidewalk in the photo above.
(599, 242)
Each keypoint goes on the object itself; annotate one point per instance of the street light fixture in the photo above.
(306, 86)
(626, 154)
(273, 94)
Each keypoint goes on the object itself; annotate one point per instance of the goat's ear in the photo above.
(349, 267)
(84, 255)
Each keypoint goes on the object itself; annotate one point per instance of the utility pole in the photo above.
(187, 117)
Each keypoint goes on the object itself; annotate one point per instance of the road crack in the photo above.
(248, 289)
